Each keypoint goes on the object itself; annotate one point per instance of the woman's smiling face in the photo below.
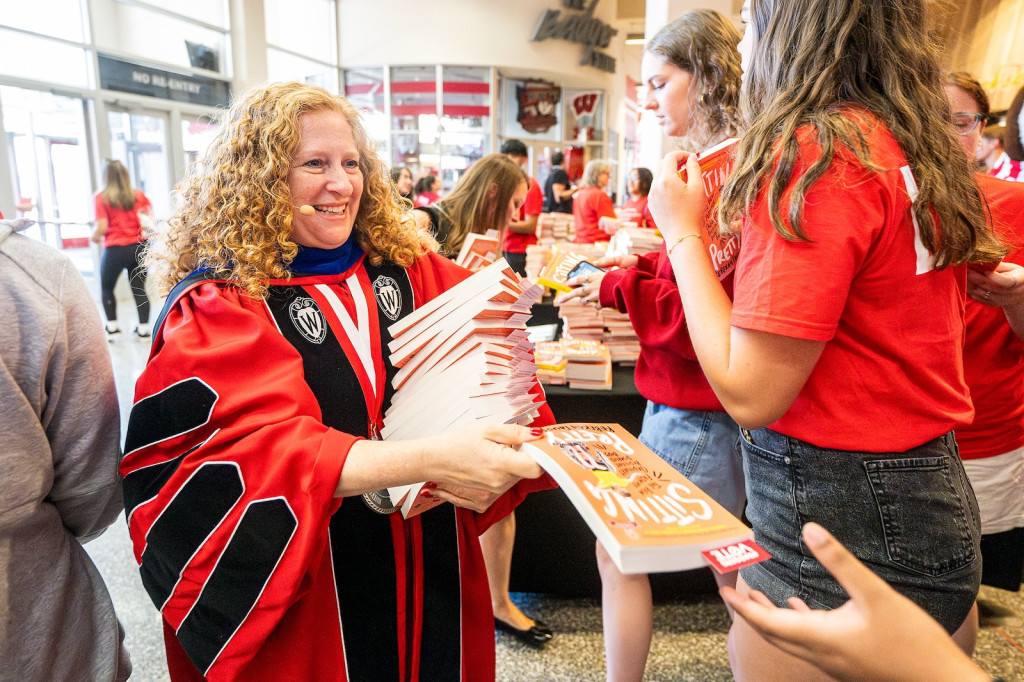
(325, 174)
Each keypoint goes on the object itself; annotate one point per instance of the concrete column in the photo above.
(248, 44)
(654, 145)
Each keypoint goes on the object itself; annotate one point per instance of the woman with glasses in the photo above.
(992, 446)
(841, 353)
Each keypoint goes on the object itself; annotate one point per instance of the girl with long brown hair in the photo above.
(692, 72)
(841, 353)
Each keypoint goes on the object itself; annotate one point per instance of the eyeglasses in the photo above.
(966, 123)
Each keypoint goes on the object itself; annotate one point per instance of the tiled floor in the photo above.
(689, 640)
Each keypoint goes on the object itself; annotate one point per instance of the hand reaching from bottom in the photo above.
(877, 636)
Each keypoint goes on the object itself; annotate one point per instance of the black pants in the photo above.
(517, 261)
(114, 260)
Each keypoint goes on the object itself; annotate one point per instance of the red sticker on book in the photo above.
(735, 556)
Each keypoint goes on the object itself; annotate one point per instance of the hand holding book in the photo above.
(473, 466)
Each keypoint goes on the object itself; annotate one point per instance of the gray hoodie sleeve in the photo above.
(80, 415)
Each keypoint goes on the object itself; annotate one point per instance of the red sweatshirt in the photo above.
(667, 371)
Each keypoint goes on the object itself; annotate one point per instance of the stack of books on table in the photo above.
(551, 363)
(647, 516)
(554, 227)
(464, 358)
(537, 256)
(479, 250)
(588, 364)
(620, 337)
(581, 320)
(629, 241)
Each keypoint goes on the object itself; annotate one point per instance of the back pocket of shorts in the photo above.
(923, 514)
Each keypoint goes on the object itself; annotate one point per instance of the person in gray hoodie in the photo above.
(59, 486)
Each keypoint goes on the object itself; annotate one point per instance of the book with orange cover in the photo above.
(556, 273)
(647, 516)
(715, 166)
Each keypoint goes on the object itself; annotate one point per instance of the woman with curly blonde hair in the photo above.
(254, 479)
(841, 353)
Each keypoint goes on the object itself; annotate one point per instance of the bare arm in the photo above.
(562, 192)
(471, 466)
(528, 226)
(756, 375)
(100, 231)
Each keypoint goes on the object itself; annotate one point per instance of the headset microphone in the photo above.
(306, 209)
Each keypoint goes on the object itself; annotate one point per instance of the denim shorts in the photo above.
(703, 446)
(911, 517)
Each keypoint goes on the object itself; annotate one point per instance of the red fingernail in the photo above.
(425, 493)
(430, 484)
(536, 432)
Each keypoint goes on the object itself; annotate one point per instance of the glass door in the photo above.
(138, 139)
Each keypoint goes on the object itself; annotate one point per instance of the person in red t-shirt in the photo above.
(684, 423)
(992, 446)
(427, 189)
(635, 208)
(522, 232)
(120, 229)
(841, 355)
(591, 203)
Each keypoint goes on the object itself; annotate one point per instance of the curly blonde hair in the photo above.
(235, 212)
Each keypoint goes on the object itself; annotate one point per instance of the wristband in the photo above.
(681, 240)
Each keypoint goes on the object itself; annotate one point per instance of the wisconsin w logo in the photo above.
(389, 296)
(308, 319)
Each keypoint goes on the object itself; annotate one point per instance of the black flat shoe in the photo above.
(536, 636)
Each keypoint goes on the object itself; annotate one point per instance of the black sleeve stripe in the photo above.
(237, 581)
(179, 408)
(184, 525)
(143, 484)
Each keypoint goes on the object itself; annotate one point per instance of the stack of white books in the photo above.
(478, 250)
(464, 358)
(630, 241)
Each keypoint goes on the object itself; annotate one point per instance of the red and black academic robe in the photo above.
(242, 422)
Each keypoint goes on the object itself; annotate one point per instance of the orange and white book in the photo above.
(716, 165)
(648, 517)
(478, 250)
(464, 358)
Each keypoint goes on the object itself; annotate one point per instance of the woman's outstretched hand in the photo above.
(877, 636)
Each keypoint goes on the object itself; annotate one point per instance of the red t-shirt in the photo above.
(639, 206)
(123, 228)
(426, 198)
(1006, 168)
(589, 205)
(993, 355)
(514, 242)
(891, 373)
